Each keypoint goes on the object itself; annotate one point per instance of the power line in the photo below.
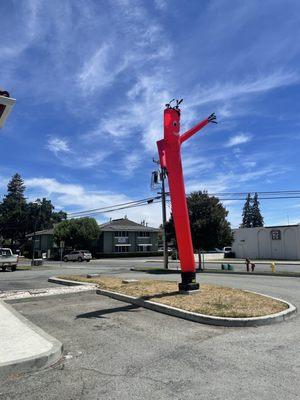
(157, 201)
(115, 205)
(263, 198)
(279, 192)
(254, 191)
(116, 209)
(272, 195)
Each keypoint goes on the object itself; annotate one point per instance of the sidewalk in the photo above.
(232, 261)
(24, 346)
(291, 270)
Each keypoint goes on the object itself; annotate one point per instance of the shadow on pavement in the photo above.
(100, 313)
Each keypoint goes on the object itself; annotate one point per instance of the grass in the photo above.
(24, 268)
(159, 270)
(211, 300)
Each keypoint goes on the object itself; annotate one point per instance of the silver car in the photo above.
(78, 255)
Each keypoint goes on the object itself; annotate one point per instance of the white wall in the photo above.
(257, 243)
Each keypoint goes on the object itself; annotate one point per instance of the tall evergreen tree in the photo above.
(17, 217)
(13, 211)
(247, 213)
(257, 219)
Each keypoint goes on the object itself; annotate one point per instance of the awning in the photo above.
(144, 244)
(123, 245)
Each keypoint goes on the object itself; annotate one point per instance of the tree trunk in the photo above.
(200, 261)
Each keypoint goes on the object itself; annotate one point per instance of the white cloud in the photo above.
(161, 5)
(238, 139)
(23, 30)
(74, 197)
(57, 145)
(249, 164)
(193, 165)
(131, 162)
(142, 115)
(221, 182)
(101, 69)
(231, 90)
(77, 159)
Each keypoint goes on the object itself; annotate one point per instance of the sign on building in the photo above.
(276, 234)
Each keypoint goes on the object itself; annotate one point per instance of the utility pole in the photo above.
(164, 216)
(156, 175)
(38, 203)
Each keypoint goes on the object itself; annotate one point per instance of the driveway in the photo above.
(117, 351)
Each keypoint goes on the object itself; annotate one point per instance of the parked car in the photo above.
(8, 259)
(228, 253)
(161, 250)
(78, 255)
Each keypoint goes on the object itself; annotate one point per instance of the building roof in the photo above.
(121, 224)
(269, 227)
(124, 224)
(43, 232)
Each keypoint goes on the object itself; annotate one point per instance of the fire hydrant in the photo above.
(273, 267)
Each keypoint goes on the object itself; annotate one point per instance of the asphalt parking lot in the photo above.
(113, 350)
(37, 277)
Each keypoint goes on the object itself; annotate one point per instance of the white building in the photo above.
(271, 242)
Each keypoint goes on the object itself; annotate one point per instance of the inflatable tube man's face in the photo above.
(171, 125)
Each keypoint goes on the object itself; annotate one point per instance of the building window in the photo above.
(144, 248)
(121, 234)
(121, 249)
(143, 234)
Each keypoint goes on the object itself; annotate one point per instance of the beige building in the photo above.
(270, 242)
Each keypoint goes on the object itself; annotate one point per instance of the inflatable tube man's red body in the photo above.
(170, 159)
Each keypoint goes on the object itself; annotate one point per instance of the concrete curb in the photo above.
(38, 361)
(210, 271)
(66, 282)
(234, 261)
(201, 318)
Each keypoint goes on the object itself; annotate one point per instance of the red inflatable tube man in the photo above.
(169, 150)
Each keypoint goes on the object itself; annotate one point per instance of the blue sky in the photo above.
(91, 79)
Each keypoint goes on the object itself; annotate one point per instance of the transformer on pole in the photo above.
(6, 104)
(169, 149)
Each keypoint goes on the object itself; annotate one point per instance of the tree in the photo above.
(17, 217)
(247, 213)
(209, 226)
(251, 213)
(13, 211)
(77, 233)
(257, 219)
(41, 215)
(170, 231)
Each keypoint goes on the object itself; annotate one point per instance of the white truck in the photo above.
(8, 259)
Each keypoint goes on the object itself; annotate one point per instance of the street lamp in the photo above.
(38, 203)
(6, 104)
